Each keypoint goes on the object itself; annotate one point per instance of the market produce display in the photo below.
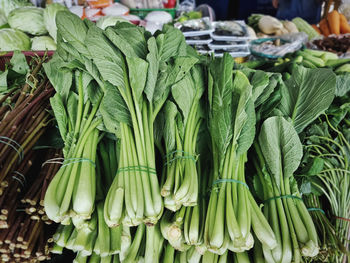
(265, 25)
(25, 230)
(336, 44)
(128, 146)
(334, 23)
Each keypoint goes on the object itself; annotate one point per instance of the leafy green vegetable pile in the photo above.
(174, 157)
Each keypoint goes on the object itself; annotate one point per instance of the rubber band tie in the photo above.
(282, 196)
(230, 181)
(316, 209)
(19, 148)
(342, 218)
(76, 160)
(185, 156)
(54, 160)
(137, 168)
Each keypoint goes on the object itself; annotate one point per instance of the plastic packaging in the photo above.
(195, 27)
(245, 36)
(77, 10)
(345, 9)
(228, 45)
(92, 12)
(159, 17)
(274, 47)
(115, 9)
(199, 40)
(99, 3)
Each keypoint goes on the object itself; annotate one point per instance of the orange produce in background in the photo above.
(316, 28)
(324, 27)
(333, 20)
(344, 25)
(99, 3)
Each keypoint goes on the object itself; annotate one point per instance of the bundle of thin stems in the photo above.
(23, 119)
(32, 200)
(17, 185)
(332, 146)
(25, 241)
(330, 244)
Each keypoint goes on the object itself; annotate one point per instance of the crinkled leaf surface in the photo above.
(113, 109)
(307, 94)
(61, 80)
(72, 30)
(60, 114)
(108, 59)
(220, 101)
(72, 107)
(174, 43)
(137, 69)
(129, 39)
(343, 84)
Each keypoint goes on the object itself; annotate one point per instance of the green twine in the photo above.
(137, 168)
(18, 149)
(178, 157)
(282, 196)
(70, 161)
(230, 181)
(316, 209)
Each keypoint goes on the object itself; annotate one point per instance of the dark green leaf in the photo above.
(220, 100)
(307, 94)
(61, 80)
(129, 39)
(72, 30)
(19, 63)
(3, 81)
(174, 43)
(137, 69)
(170, 112)
(343, 84)
(72, 108)
(113, 109)
(60, 114)
(153, 61)
(107, 58)
(247, 135)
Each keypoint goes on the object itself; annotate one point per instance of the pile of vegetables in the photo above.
(333, 23)
(336, 44)
(170, 156)
(198, 117)
(25, 145)
(25, 27)
(266, 25)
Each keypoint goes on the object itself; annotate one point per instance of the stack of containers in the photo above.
(230, 36)
(197, 33)
(217, 37)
